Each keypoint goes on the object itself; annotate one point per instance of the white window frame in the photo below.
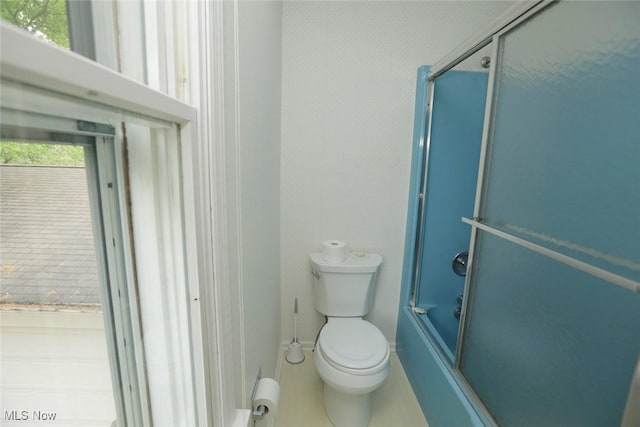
(70, 74)
(191, 53)
(197, 61)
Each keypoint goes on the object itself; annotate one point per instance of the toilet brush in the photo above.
(294, 352)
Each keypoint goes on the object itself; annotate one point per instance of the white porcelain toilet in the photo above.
(351, 355)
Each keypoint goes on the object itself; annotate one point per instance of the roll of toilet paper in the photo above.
(266, 398)
(334, 251)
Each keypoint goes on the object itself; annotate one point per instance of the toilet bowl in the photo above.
(352, 358)
(352, 355)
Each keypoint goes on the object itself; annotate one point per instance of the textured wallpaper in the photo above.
(348, 83)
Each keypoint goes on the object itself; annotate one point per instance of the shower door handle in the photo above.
(631, 417)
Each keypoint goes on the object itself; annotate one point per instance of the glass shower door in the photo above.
(551, 333)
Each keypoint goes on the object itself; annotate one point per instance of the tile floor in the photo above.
(394, 403)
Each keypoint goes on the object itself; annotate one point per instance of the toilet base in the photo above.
(347, 410)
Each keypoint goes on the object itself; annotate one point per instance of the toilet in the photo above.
(351, 354)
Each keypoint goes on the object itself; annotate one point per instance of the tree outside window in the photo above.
(46, 19)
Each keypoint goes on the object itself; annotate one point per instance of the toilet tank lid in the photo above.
(356, 262)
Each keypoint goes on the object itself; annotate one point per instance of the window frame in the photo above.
(99, 165)
(81, 78)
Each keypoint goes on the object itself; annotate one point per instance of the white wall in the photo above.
(348, 83)
(259, 62)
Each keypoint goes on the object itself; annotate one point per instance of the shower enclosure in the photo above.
(448, 187)
(526, 157)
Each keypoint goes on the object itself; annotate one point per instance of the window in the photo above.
(54, 360)
(45, 19)
(135, 138)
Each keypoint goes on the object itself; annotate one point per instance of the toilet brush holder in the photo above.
(294, 353)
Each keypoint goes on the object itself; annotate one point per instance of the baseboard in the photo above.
(306, 345)
(280, 359)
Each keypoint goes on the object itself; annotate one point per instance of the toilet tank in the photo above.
(344, 289)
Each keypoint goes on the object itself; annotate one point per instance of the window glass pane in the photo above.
(112, 33)
(45, 19)
(564, 161)
(54, 361)
(547, 345)
(46, 155)
(135, 193)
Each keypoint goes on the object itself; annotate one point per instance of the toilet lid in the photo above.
(353, 343)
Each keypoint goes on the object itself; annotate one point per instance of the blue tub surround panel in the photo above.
(441, 399)
(426, 342)
(452, 170)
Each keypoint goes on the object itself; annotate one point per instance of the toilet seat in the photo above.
(353, 345)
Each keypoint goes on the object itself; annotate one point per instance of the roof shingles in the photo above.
(47, 254)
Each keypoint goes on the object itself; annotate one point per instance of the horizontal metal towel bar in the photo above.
(565, 259)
